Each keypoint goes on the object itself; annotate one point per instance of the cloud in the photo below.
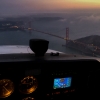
(1, 19)
(71, 22)
(92, 18)
(63, 20)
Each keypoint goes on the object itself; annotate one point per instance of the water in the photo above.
(80, 25)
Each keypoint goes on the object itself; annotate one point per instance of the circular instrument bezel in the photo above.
(6, 87)
(28, 98)
(28, 85)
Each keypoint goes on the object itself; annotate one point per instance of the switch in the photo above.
(66, 91)
(48, 94)
(57, 93)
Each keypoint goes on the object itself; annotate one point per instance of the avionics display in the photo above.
(62, 83)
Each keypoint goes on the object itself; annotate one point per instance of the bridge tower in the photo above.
(30, 26)
(67, 34)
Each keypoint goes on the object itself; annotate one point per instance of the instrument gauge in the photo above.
(28, 85)
(28, 98)
(6, 88)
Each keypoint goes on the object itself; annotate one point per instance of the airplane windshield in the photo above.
(71, 26)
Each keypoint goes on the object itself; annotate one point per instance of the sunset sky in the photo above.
(12, 6)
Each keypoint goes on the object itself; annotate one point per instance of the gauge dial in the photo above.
(28, 98)
(28, 85)
(6, 88)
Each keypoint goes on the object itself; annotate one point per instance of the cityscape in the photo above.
(88, 45)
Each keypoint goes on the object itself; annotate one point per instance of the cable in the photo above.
(45, 33)
(81, 43)
(28, 50)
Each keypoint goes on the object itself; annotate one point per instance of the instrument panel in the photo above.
(6, 88)
(48, 79)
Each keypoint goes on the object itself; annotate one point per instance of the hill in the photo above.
(93, 39)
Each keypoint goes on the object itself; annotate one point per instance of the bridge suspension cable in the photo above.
(81, 43)
(48, 34)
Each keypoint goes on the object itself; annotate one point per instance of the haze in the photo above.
(19, 7)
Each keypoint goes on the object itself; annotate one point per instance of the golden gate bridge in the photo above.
(96, 48)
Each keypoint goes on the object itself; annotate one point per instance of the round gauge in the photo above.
(28, 98)
(6, 88)
(28, 85)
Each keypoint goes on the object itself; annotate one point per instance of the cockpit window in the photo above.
(71, 26)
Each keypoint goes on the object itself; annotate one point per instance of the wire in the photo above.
(81, 43)
(28, 50)
(46, 33)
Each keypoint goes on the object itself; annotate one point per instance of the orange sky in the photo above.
(63, 4)
(12, 6)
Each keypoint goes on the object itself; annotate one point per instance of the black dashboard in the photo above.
(26, 77)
